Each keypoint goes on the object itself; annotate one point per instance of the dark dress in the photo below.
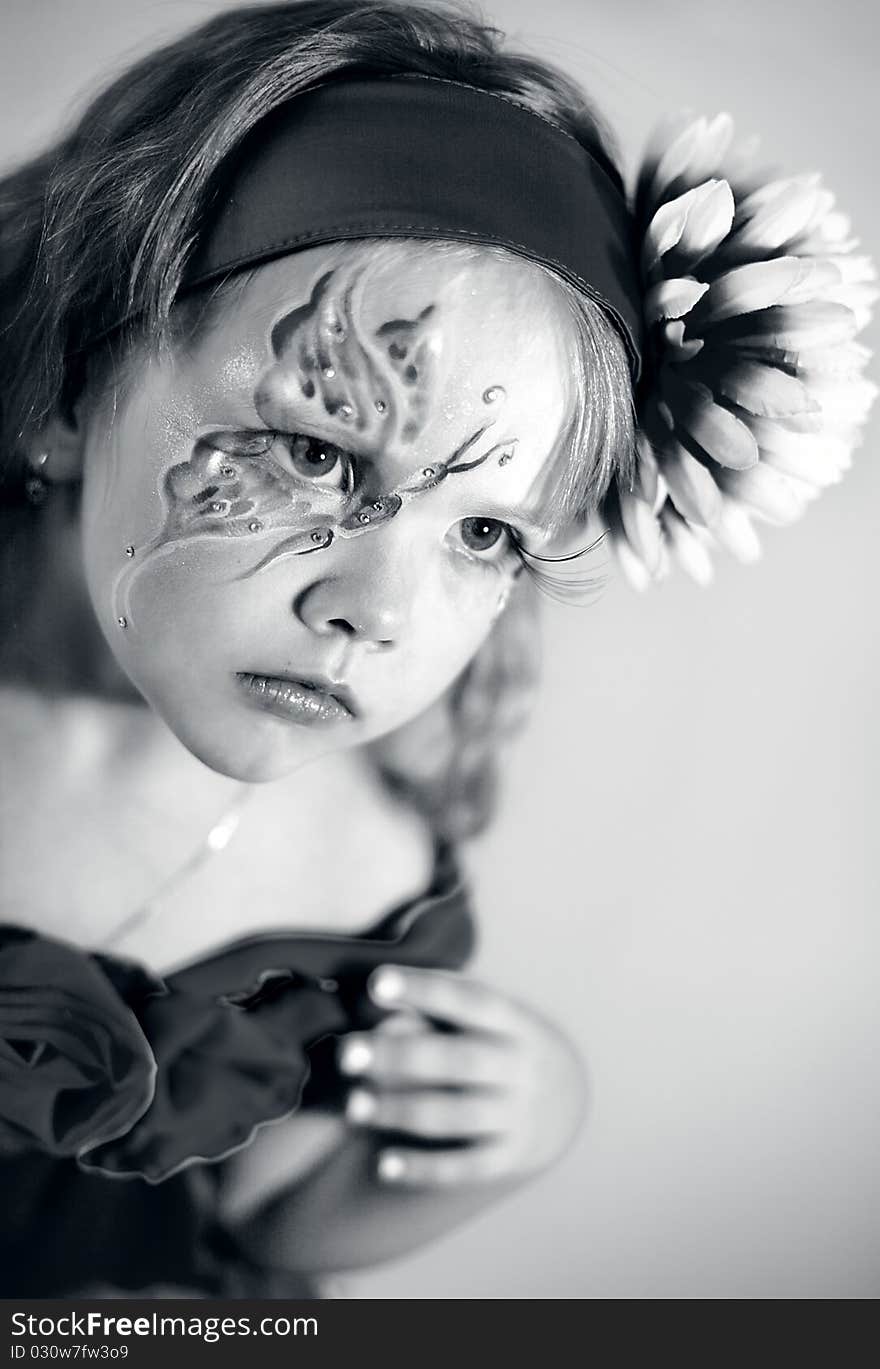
(122, 1092)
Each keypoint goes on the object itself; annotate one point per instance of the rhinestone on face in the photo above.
(217, 508)
(329, 372)
(346, 410)
(254, 526)
(129, 551)
(380, 406)
(428, 471)
(378, 505)
(229, 472)
(493, 393)
(122, 622)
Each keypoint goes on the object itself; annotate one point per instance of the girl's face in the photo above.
(317, 493)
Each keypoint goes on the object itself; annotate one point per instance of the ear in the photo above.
(55, 452)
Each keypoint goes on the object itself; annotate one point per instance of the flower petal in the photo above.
(692, 487)
(686, 549)
(769, 219)
(642, 530)
(858, 298)
(634, 571)
(677, 349)
(717, 432)
(763, 390)
(760, 284)
(733, 530)
(816, 465)
(846, 359)
(768, 493)
(844, 397)
(819, 323)
(672, 298)
(646, 469)
(692, 226)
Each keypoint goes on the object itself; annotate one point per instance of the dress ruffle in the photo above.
(75, 1067)
(137, 1074)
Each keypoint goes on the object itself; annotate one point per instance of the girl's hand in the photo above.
(504, 1081)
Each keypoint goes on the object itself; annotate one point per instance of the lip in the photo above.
(309, 699)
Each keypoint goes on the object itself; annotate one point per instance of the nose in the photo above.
(355, 608)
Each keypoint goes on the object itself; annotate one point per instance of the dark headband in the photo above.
(423, 157)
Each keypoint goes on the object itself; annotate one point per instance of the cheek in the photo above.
(454, 611)
(122, 504)
(157, 532)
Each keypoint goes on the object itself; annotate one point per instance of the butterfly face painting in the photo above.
(293, 487)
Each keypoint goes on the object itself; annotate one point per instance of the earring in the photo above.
(35, 487)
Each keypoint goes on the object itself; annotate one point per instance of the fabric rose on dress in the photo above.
(225, 1067)
(75, 1067)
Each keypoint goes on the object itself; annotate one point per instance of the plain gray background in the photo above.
(684, 872)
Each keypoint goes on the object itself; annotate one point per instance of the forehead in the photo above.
(479, 323)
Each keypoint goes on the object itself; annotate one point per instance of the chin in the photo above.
(256, 752)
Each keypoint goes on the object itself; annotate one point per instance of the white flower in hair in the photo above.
(754, 397)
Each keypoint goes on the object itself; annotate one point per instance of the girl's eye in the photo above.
(313, 459)
(309, 458)
(482, 534)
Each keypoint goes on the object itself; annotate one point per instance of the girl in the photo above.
(290, 403)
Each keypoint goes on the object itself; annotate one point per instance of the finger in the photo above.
(402, 1022)
(429, 1057)
(445, 995)
(355, 1054)
(404, 1167)
(427, 1113)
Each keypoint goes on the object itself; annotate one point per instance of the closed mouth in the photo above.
(273, 686)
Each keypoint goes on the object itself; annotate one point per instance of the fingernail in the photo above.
(386, 985)
(391, 1165)
(361, 1105)
(355, 1057)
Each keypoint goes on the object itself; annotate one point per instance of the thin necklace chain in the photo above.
(216, 840)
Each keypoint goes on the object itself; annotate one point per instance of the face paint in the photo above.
(382, 386)
(233, 487)
(187, 488)
(377, 512)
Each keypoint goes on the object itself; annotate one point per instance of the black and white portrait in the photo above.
(437, 659)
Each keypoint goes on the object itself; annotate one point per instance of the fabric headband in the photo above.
(423, 157)
(739, 299)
